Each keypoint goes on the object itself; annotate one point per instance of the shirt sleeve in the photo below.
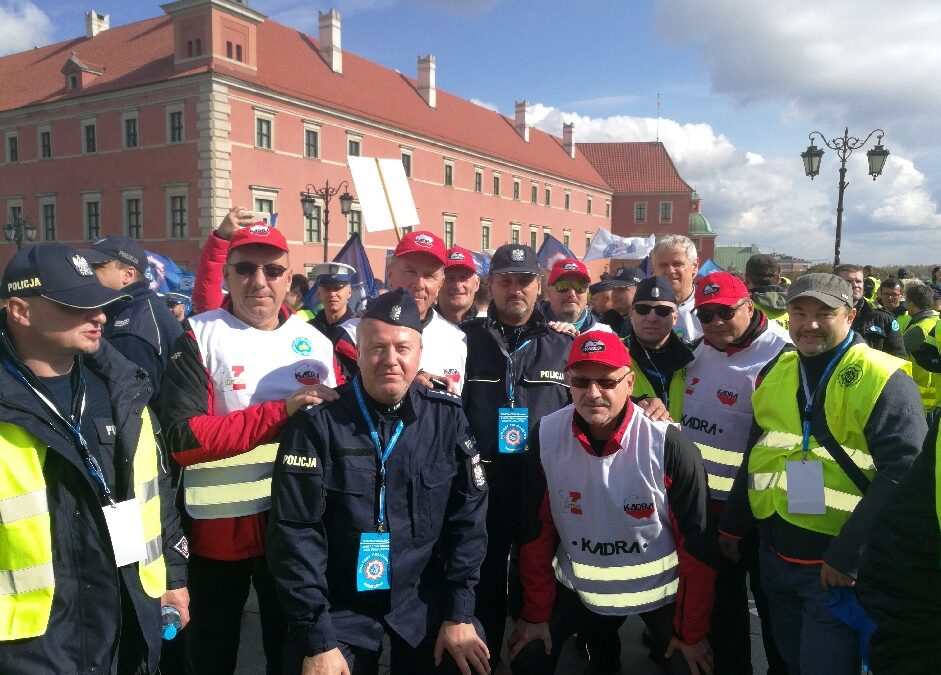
(207, 288)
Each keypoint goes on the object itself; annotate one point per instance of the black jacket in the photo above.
(325, 494)
(144, 331)
(89, 610)
(879, 328)
(539, 385)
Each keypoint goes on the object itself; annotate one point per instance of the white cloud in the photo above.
(22, 26)
(485, 104)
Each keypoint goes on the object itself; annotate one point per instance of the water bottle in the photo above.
(170, 622)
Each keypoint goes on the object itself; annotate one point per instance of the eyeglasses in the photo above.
(603, 383)
(248, 269)
(566, 286)
(659, 310)
(724, 313)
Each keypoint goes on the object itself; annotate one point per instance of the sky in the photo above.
(741, 86)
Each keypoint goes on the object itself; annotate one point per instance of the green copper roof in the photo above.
(699, 224)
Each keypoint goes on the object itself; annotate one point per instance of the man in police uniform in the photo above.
(144, 330)
(234, 379)
(334, 291)
(836, 426)
(80, 458)
(461, 282)
(623, 284)
(634, 494)
(737, 343)
(599, 295)
(878, 327)
(377, 521)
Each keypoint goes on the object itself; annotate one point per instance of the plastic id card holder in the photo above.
(126, 529)
(372, 567)
(805, 493)
(512, 430)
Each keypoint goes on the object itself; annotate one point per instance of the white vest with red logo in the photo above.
(616, 548)
(248, 366)
(717, 411)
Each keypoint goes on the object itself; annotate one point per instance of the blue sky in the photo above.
(741, 83)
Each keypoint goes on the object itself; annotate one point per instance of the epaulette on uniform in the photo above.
(441, 395)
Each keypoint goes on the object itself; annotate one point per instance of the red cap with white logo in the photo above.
(422, 242)
(598, 346)
(569, 267)
(458, 256)
(259, 233)
(720, 288)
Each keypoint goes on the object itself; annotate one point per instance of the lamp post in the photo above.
(309, 202)
(844, 148)
(18, 230)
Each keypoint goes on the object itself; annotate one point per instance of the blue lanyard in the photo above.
(74, 425)
(810, 395)
(663, 384)
(382, 455)
(510, 373)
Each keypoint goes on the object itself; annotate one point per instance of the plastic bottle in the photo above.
(170, 621)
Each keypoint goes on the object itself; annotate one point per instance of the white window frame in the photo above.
(267, 116)
(40, 130)
(445, 235)
(311, 126)
(125, 116)
(587, 242)
(547, 193)
(171, 191)
(607, 209)
(86, 198)
(567, 200)
(89, 122)
(660, 218)
(407, 152)
(6, 146)
(318, 207)
(534, 197)
(479, 176)
(354, 208)
(546, 232)
(515, 229)
(42, 203)
(13, 203)
(534, 237)
(444, 173)
(497, 184)
(588, 205)
(356, 138)
(486, 225)
(517, 188)
(567, 239)
(169, 109)
(127, 195)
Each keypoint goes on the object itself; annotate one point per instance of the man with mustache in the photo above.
(836, 426)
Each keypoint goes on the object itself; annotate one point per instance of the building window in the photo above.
(189, 49)
(516, 189)
(534, 193)
(45, 144)
(567, 200)
(90, 142)
(478, 180)
(484, 236)
(548, 196)
(514, 234)
(354, 221)
(448, 233)
(178, 216)
(263, 133)
(496, 185)
(640, 212)
(264, 206)
(176, 126)
(587, 242)
(666, 212)
(407, 162)
(49, 221)
(229, 47)
(92, 219)
(607, 209)
(313, 233)
(406, 229)
(13, 149)
(312, 143)
(546, 233)
(73, 81)
(448, 174)
(238, 53)
(588, 206)
(567, 239)
(533, 236)
(130, 132)
(353, 146)
(15, 213)
(132, 217)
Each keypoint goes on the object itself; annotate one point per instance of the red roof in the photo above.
(635, 167)
(289, 63)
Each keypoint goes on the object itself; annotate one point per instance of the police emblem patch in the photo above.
(81, 265)
(395, 312)
(850, 375)
(478, 475)
(182, 547)
(592, 346)
(424, 240)
(654, 292)
(517, 255)
(710, 289)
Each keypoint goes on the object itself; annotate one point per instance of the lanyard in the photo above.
(510, 372)
(74, 425)
(810, 395)
(382, 455)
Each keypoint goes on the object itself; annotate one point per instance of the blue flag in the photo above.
(708, 267)
(482, 263)
(165, 276)
(551, 251)
(363, 285)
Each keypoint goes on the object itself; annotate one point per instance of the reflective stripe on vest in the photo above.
(152, 569)
(633, 602)
(851, 393)
(927, 381)
(228, 488)
(721, 467)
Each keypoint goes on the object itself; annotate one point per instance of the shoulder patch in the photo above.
(300, 461)
(477, 473)
(895, 324)
(440, 395)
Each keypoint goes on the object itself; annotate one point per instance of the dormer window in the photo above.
(73, 81)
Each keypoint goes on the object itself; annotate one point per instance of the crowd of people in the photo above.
(469, 471)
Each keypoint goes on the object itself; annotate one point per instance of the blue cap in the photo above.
(395, 307)
(118, 247)
(58, 273)
(334, 273)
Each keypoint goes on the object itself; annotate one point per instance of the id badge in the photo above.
(372, 568)
(513, 430)
(805, 493)
(126, 529)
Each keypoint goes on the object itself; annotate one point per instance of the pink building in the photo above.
(156, 128)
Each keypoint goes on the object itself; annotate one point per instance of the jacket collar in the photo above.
(581, 431)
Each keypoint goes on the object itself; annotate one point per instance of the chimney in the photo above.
(330, 40)
(568, 138)
(520, 125)
(426, 79)
(96, 23)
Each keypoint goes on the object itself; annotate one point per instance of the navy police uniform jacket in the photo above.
(325, 493)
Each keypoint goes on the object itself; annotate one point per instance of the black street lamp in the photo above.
(19, 230)
(309, 202)
(844, 148)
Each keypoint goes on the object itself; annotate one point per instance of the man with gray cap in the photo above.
(836, 425)
(144, 330)
(623, 285)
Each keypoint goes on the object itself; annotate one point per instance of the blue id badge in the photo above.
(372, 568)
(513, 430)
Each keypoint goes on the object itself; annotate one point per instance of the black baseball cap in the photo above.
(117, 247)
(396, 307)
(58, 273)
(514, 259)
(625, 277)
(653, 289)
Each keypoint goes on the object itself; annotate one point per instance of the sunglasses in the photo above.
(659, 310)
(248, 269)
(724, 313)
(603, 383)
(566, 286)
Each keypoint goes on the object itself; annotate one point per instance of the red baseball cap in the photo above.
(569, 266)
(422, 242)
(259, 233)
(458, 256)
(720, 288)
(598, 346)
